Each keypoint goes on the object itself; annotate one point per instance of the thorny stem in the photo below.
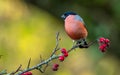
(38, 65)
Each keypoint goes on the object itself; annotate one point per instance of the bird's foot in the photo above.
(83, 46)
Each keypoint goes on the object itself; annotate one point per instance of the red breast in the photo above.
(75, 28)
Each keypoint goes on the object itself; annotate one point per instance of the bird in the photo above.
(75, 28)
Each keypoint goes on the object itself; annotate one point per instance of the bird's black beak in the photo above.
(63, 16)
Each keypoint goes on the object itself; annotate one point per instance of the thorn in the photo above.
(29, 63)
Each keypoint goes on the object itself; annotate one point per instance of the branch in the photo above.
(38, 65)
(44, 62)
(16, 70)
(52, 57)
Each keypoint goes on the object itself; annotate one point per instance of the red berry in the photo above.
(27, 73)
(61, 58)
(107, 41)
(24, 74)
(103, 47)
(65, 54)
(101, 40)
(63, 50)
(55, 67)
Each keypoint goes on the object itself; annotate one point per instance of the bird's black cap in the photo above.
(67, 14)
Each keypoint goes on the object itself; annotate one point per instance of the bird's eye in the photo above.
(65, 14)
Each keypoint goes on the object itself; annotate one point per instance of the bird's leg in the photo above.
(79, 43)
(85, 44)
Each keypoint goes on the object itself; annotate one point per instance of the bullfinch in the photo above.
(75, 28)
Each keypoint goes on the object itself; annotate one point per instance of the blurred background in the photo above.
(28, 29)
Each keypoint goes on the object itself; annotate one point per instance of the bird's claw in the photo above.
(83, 46)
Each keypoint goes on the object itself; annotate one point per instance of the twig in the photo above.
(91, 43)
(38, 65)
(40, 68)
(18, 69)
(57, 43)
(43, 70)
(74, 47)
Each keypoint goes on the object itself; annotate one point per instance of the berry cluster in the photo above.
(104, 44)
(64, 54)
(27, 73)
(61, 58)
